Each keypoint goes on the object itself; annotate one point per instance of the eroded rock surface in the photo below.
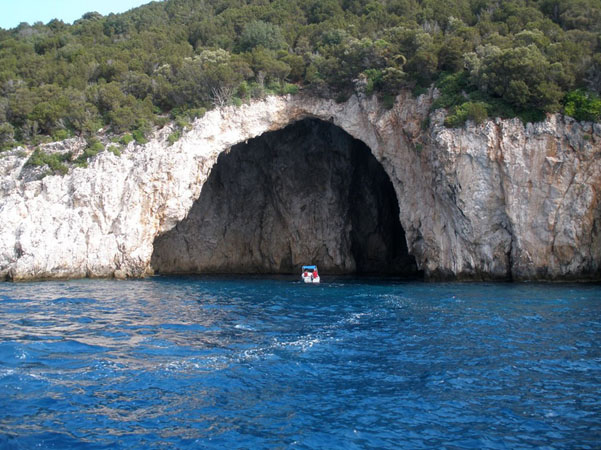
(495, 200)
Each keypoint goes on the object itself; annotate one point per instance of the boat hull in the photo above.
(310, 279)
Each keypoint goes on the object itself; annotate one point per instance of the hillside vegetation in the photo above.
(178, 58)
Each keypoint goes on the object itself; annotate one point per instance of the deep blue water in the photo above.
(251, 363)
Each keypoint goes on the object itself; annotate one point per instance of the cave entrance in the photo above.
(306, 194)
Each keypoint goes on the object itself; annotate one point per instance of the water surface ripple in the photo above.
(252, 363)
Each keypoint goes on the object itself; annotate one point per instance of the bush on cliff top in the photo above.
(583, 105)
(54, 161)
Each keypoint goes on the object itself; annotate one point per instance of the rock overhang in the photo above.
(307, 192)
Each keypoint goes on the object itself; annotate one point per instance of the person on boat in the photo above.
(314, 274)
(305, 274)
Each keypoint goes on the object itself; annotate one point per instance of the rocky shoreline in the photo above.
(499, 200)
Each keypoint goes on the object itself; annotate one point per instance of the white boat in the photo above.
(309, 274)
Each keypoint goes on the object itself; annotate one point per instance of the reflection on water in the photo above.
(208, 362)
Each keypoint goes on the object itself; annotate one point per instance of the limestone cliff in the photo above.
(496, 200)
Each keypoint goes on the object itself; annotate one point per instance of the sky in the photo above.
(13, 12)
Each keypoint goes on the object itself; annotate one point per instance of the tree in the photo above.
(7, 134)
(265, 61)
(520, 75)
(320, 10)
(261, 34)
(593, 74)
(450, 54)
(583, 106)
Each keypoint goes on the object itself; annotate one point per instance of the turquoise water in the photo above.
(250, 363)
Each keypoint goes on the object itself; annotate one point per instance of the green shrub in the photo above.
(57, 167)
(196, 113)
(54, 161)
(466, 103)
(114, 149)
(37, 158)
(374, 80)
(495, 106)
(94, 147)
(261, 34)
(139, 137)
(244, 90)
(126, 139)
(256, 90)
(531, 115)
(274, 86)
(144, 126)
(182, 122)
(456, 117)
(475, 111)
(7, 136)
(291, 89)
(61, 135)
(582, 105)
(40, 139)
(161, 121)
(419, 90)
(342, 97)
(451, 88)
(174, 137)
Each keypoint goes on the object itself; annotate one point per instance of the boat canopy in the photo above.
(309, 267)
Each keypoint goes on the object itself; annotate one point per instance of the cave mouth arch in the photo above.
(308, 193)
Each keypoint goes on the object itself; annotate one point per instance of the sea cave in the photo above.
(306, 194)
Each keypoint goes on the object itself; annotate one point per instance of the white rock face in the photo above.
(495, 200)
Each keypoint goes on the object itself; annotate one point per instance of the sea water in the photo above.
(274, 363)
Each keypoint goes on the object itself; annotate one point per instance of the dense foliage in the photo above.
(179, 57)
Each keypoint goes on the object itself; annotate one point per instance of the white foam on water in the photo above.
(303, 344)
(6, 372)
(210, 363)
(356, 317)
